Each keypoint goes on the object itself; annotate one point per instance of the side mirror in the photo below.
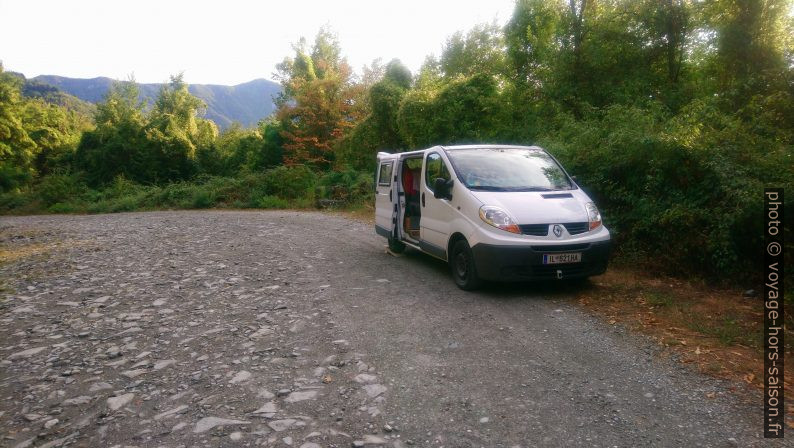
(442, 188)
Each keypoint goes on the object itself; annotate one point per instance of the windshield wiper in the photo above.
(488, 188)
(534, 189)
(493, 188)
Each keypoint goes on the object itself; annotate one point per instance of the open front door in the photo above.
(437, 214)
(385, 196)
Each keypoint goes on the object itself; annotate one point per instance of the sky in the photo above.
(221, 42)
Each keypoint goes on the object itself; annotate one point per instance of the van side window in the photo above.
(384, 176)
(435, 168)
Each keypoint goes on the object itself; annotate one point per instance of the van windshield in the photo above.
(508, 169)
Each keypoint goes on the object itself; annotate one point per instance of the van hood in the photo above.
(539, 207)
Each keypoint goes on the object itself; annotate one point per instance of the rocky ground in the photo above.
(298, 329)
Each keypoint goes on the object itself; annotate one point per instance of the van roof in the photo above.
(400, 155)
(488, 146)
(384, 154)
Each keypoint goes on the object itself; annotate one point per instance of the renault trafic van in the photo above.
(493, 212)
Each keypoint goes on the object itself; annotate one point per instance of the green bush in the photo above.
(121, 187)
(682, 192)
(15, 201)
(63, 207)
(203, 199)
(271, 202)
(290, 182)
(57, 188)
(348, 186)
(124, 204)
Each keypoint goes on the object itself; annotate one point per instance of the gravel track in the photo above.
(298, 329)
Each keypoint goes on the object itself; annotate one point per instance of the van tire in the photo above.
(461, 263)
(395, 246)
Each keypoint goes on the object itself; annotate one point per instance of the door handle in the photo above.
(423, 199)
(390, 195)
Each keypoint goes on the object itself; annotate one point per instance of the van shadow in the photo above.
(541, 290)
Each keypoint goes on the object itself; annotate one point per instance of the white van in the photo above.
(493, 212)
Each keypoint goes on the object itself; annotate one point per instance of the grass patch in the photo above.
(659, 299)
(727, 330)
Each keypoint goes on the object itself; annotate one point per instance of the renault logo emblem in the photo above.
(557, 229)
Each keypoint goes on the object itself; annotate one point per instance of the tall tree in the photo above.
(385, 97)
(533, 42)
(480, 50)
(320, 102)
(17, 149)
(175, 131)
(752, 35)
(118, 144)
(675, 16)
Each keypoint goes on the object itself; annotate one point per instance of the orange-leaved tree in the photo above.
(320, 102)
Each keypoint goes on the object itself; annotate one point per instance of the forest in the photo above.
(673, 114)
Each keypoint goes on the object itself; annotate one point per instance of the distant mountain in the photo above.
(50, 94)
(245, 103)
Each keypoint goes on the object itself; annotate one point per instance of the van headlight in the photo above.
(593, 215)
(498, 218)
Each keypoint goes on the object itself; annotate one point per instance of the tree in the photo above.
(174, 131)
(56, 132)
(118, 144)
(481, 50)
(582, 53)
(38, 134)
(378, 131)
(384, 98)
(468, 110)
(463, 111)
(532, 41)
(327, 54)
(398, 74)
(17, 149)
(674, 15)
(160, 146)
(320, 102)
(246, 150)
(271, 153)
(752, 35)
(417, 118)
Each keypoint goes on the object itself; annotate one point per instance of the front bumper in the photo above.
(516, 263)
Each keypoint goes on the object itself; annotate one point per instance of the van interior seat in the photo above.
(410, 184)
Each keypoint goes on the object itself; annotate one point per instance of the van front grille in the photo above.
(534, 229)
(575, 228)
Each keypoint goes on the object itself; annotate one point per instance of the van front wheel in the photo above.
(461, 262)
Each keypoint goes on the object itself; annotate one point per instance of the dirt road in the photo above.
(297, 329)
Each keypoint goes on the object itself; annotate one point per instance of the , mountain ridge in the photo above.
(54, 95)
(245, 103)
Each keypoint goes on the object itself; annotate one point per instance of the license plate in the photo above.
(562, 258)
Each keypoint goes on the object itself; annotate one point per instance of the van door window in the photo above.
(384, 177)
(435, 168)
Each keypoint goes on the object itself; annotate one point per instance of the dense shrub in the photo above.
(347, 186)
(57, 188)
(290, 182)
(687, 205)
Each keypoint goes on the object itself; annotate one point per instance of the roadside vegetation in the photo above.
(674, 115)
